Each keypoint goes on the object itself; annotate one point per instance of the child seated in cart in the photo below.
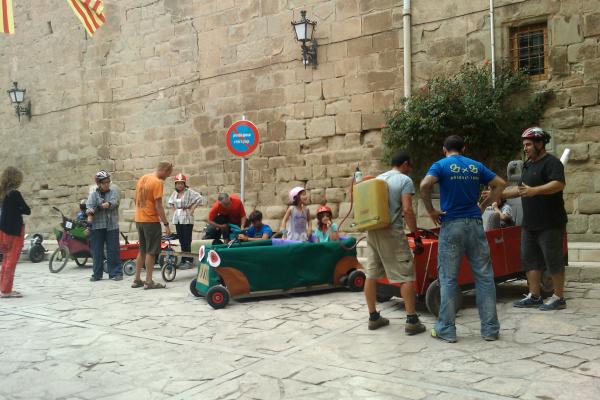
(505, 212)
(81, 215)
(327, 230)
(257, 230)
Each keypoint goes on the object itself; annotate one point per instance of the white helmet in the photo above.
(101, 175)
(295, 192)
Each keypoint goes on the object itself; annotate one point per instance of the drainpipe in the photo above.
(493, 43)
(407, 48)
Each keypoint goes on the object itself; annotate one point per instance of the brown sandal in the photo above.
(137, 283)
(154, 285)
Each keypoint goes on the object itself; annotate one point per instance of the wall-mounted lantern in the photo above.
(304, 30)
(16, 97)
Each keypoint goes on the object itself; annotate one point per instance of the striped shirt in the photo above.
(182, 214)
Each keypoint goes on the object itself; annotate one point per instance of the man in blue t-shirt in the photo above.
(258, 230)
(460, 179)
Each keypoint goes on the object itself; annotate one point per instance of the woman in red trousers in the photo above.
(11, 228)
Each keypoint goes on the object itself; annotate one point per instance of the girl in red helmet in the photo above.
(327, 230)
(184, 201)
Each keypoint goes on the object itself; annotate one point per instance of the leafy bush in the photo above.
(490, 119)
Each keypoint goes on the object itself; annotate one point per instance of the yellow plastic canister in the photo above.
(371, 210)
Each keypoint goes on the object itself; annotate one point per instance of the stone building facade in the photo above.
(163, 79)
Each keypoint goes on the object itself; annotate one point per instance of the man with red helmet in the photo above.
(184, 201)
(544, 220)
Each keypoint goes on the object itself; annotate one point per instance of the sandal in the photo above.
(137, 283)
(154, 285)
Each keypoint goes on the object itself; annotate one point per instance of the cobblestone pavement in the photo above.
(69, 338)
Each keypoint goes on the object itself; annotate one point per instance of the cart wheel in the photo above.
(129, 267)
(81, 261)
(383, 299)
(58, 260)
(546, 284)
(37, 253)
(433, 298)
(193, 288)
(105, 266)
(168, 272)
(217, 296)
(356, 280)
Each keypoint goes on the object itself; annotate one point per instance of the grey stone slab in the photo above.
(559, 361)
(503, 386)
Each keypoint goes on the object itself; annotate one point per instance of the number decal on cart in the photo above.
(203, 274)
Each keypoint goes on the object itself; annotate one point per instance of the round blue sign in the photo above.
(242, 138)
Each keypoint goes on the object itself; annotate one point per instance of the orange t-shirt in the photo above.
(148, 189)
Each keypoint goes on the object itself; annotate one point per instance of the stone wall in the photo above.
(165, 78)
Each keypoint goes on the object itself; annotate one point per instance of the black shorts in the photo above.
(542, 250)
(149, 234)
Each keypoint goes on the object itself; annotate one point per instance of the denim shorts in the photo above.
(543, 250)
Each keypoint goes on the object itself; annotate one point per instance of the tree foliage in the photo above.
(490, 119)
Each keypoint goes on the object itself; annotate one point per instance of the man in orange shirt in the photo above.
(227, 209)
(149, 212)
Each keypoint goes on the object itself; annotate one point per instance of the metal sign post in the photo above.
(242, 139)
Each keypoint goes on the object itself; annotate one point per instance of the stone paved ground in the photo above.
(69, 338)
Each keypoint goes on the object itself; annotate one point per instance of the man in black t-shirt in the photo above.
(544, 220)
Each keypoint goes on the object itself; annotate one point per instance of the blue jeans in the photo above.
(110, 239)
(459, 237)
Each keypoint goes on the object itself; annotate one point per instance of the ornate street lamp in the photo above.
(304, 30)
(16, 97)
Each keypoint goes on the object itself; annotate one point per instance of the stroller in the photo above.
(34, 248)
(72, 244)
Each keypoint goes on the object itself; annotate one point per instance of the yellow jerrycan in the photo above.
(371, 210)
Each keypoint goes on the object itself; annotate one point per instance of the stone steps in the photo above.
(584, 252)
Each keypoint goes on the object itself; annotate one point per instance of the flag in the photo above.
(90, 13)
(7, 24)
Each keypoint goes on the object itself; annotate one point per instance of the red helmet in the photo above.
(323, 209)
(180, 178)
(536, 134)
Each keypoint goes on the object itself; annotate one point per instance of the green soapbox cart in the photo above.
(274, 266)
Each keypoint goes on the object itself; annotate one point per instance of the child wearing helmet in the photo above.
(82, 215)
(184, 201)
(298, 217)
(326, 230)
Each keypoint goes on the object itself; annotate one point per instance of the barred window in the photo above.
(529, 50)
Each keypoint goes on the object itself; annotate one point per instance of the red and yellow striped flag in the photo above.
(7, 24)
(90, 13)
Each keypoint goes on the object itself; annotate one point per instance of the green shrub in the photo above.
(490, 119)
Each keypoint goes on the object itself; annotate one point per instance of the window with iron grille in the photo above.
(529, 50)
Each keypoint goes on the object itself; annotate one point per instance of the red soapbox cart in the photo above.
(505, 251)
